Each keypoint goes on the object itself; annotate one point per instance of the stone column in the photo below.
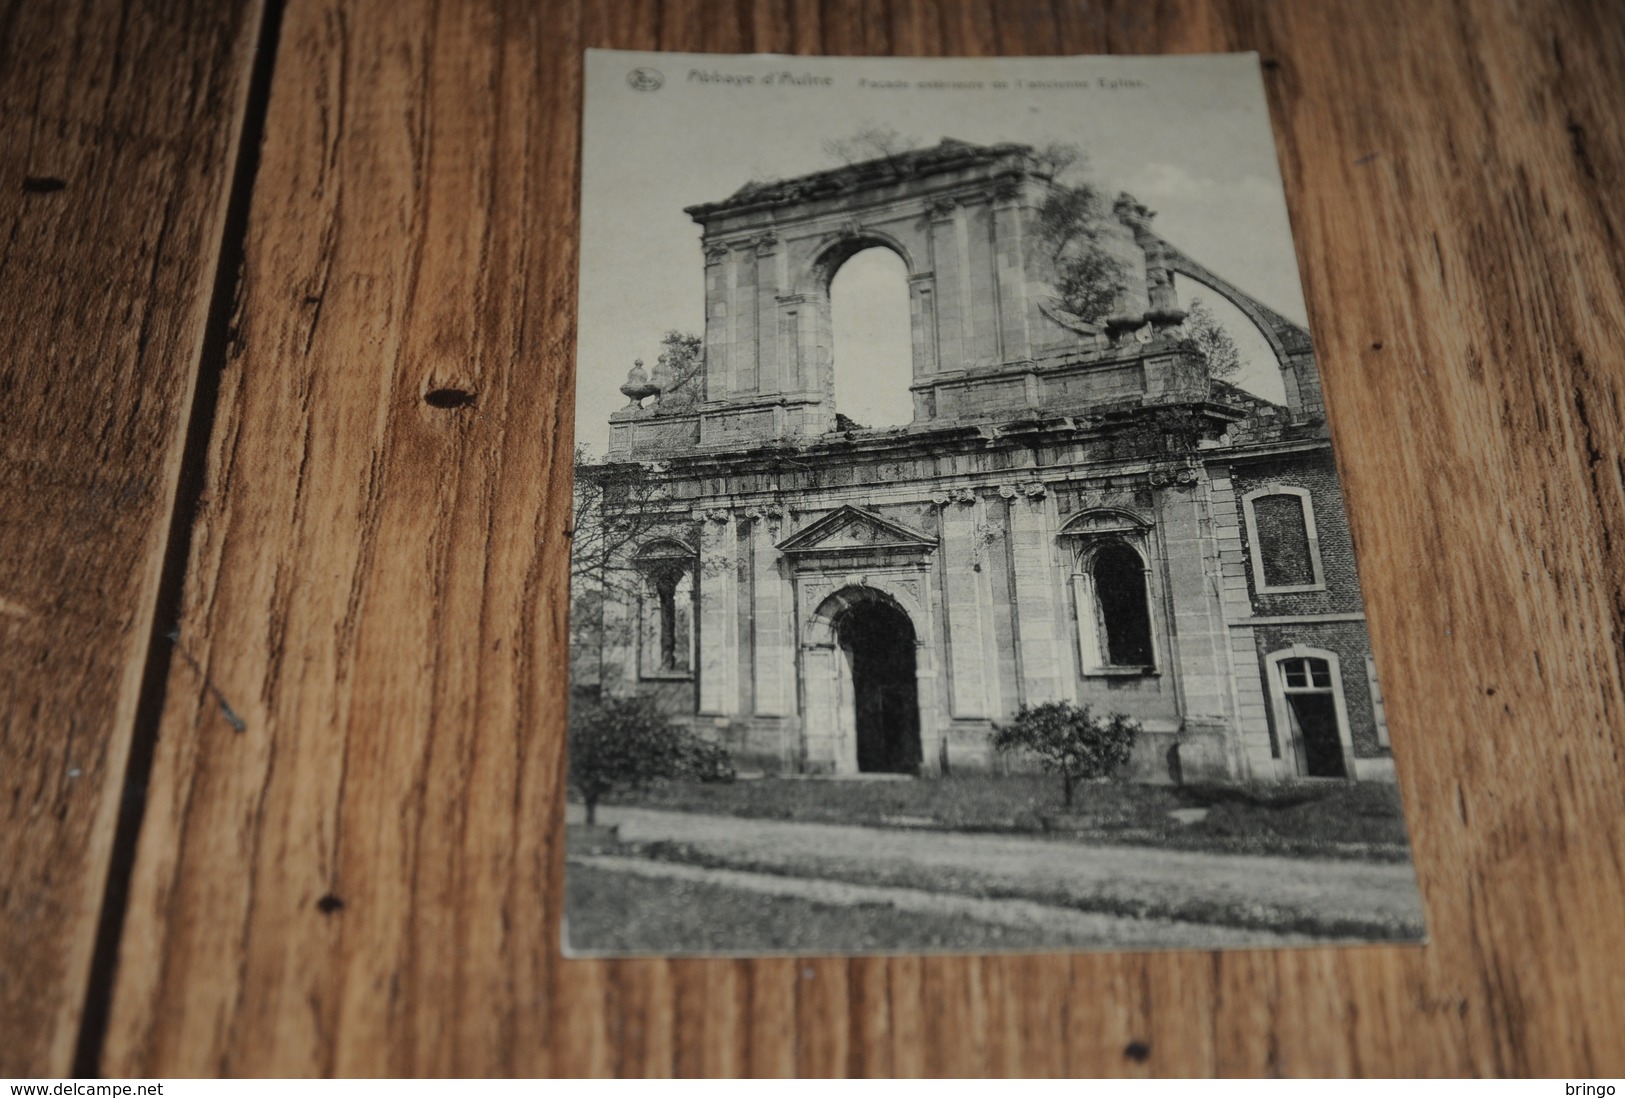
(719, 615)
(1045, 666)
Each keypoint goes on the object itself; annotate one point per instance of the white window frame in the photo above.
(1307, 502)
(1378, 710)
(1292, 750)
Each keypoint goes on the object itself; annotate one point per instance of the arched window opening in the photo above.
(1285, 548)
(1112, 594)
(1125, 619)
(872, 337)
(666, 628)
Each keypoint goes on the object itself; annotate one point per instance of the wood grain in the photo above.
(119, 125)
(376, 584)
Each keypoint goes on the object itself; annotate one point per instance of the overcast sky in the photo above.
(1189, 136)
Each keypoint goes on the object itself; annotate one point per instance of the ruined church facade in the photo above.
(1076, 512)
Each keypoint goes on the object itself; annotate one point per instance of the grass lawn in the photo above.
(1309, 819)
(619, 913)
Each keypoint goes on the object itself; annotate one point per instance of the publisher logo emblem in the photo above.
(645, 80)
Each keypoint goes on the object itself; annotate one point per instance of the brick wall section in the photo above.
(1316, 473)
(1352, 645)
(1283, 536)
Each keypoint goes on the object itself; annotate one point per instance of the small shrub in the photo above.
(628, 743)
(1069, 740)
(704, 761)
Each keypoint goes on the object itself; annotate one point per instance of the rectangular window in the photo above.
(1283, 541)
(1281, 533)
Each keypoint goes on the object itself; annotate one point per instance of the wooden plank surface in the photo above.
(367, 879)
(119, 125)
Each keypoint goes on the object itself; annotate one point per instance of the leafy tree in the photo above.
(628, 744)
(680, 369)
(1208, 339)
(1070, 222)
(1068, 740)
(1070, 226)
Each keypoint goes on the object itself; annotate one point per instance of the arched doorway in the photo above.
(878, 645)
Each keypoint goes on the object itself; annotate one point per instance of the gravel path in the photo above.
(1325, 898)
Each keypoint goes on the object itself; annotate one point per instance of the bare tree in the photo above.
(869, 141)
(619, 506)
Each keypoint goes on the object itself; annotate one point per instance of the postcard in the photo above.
(959, 561)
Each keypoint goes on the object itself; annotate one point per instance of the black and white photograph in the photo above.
(959, 560)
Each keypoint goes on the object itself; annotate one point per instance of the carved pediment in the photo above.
(853, 530)
(1104, 520)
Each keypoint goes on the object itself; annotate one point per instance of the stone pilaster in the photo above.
(1251, 719)
(719, 615)
(951, 293)
(718, 320)
(1201, 640)
(619, 676)
(764, 311)
(1009, 271)
(791, 351)
(1045, 666)
(775, 664)
(746, 368)
(922, 298)
(972, 660)
(982, 332)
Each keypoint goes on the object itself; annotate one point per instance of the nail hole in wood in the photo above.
(42, 184)
(1138, 1051)
(448, 398)
(329, 903)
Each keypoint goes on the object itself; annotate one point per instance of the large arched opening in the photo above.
(1259, 367)
(872, 340)
(878, 649)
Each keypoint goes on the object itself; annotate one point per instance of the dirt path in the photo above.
(1068, 928)
(1325, 898)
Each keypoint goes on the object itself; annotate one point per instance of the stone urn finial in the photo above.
(660, 377)
(637, 385)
